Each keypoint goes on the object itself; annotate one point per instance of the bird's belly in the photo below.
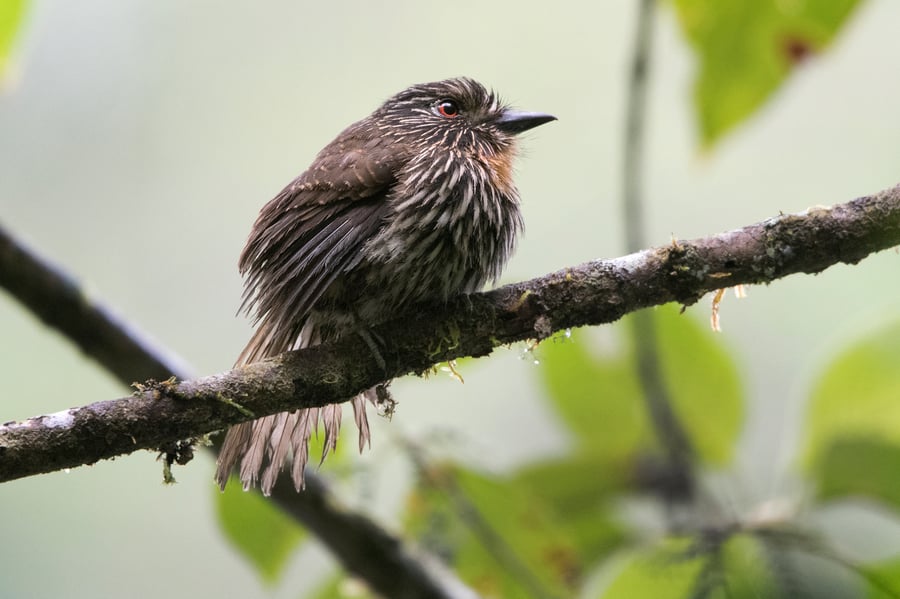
(433, 268)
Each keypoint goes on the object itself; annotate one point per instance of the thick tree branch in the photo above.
(593, 293)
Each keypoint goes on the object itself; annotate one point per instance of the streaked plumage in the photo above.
(413, 203)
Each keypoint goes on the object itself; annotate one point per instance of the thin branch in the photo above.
(677, 447)
(369, 552)
(362, 547)
(445, 481)
(61, 303)
(635, 121)
(593, 293)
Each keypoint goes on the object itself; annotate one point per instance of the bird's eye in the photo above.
(447, 108)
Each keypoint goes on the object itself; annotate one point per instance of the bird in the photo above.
(414, 203)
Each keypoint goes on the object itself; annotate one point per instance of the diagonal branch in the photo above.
(61, 303)
(363, 548)
(593, 293)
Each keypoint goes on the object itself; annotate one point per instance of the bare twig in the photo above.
(593, 293)
(635, 122)
(680, 478)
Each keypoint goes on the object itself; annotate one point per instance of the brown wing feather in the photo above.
(311, 233)
(304, 238)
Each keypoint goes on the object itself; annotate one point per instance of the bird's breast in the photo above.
(452, 226)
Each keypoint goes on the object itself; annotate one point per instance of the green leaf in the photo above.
(747, 570)
(703, 380)
(668, 571)
(598, 396)
(860, 467)
(883, 580)
(703, 565)
(341, 587)
(501, 538)
(854, 413)
(11, 14)
(577, 488)
(747, 48)
(258, 529)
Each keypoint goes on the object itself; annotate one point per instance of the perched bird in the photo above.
(414, 203)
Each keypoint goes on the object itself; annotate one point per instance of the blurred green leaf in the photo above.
(857, 398)
(863, 467)
(258, 529)
(11, 14)
(746, 49)
(703, 380)
(575, 480)
(599, 398)
(500, 537)
(663, 572)
(733, 567)
(883, 580)
(341, 587)
(577, 488)
(748, 570)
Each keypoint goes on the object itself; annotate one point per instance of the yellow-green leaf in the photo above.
(703, 380)
(858, 397)
(747, 48)
(702, 565)
(578, 488)
(341, 587)
(668, 571)
(501, 538)
(860, 467)
(596, 396)
(599, 397)
(11, 14)
(883, 579)
(258, 529)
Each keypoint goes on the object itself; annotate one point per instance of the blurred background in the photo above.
(138, 140)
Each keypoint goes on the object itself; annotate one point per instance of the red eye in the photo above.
(448, 108)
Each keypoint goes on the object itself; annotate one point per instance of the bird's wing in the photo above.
(311, 233)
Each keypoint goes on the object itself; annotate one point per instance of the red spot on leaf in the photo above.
(796, 48)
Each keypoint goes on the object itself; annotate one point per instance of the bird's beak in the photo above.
(516, 122)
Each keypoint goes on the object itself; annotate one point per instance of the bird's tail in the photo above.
(262, 446)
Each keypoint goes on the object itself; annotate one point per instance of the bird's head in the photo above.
(459, 114)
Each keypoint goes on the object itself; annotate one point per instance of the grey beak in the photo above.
(517, 122)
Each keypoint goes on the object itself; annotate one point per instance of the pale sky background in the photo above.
(138, 140)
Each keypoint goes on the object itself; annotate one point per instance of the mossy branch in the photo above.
(593, 293)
